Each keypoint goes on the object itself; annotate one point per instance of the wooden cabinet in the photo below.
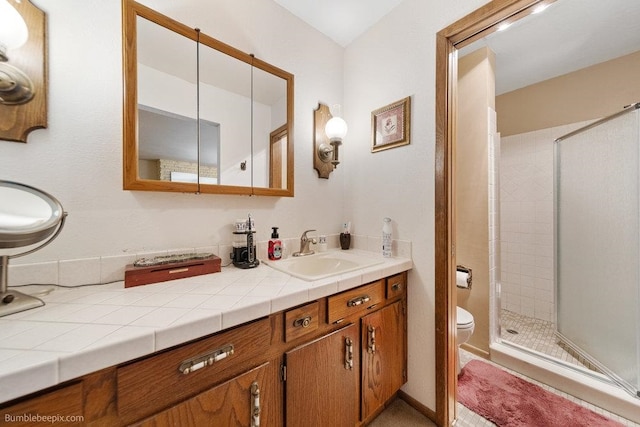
(396, 285)
(63, 404)
(250, 399)
(355, 302)
(322, 381)
(301, 321)
(335, 361)
(153, 383)
(383, 356)
(342, 379)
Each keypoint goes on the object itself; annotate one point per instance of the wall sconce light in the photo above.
(15, 86)
(329, 132)
(22, 70)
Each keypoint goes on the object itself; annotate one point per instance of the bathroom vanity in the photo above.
(335, 357)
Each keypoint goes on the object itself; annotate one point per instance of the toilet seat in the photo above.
(464, 318)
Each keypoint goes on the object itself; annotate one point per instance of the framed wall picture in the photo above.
(391, 125)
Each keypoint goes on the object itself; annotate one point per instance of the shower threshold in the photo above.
(577, 381)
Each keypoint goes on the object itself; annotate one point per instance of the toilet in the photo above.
(464, 328)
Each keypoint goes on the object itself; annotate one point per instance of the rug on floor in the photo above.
(509, 401)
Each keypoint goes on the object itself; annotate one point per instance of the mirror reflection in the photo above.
(212, 119)
(225, 99)
(167, 104)
(269, 130)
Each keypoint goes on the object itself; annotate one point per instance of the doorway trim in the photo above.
(470, 28)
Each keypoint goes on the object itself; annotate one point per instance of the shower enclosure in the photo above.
(597, 244)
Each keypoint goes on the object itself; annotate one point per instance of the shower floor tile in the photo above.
(538, 335)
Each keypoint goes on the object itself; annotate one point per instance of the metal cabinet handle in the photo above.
(303, 321)
(358, 300)
(371, 339)
(204, 360)
(348, 354)
(396, 286)
(255, 404)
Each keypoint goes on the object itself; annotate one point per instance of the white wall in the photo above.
(393, 60)
(78, 158)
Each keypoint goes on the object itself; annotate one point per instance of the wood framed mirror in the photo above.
(202, 121)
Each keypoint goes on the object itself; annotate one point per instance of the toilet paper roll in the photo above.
(462, 279)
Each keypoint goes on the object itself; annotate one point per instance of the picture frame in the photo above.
(391, 125)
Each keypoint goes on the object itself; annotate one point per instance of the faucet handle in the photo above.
(305, 233)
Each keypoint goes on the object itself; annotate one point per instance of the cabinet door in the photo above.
(251, 399)
(383, 356)
(322, 384)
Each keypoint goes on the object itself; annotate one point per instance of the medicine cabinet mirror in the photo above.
(199, 115)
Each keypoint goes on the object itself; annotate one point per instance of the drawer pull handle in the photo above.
(303, 321)
(396, 287)
(353, 302)
(205, 360)
(255, 404)
(348, 354)
(179, 270)
(371, 339)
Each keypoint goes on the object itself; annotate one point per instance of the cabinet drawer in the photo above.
(396, 285)
(355, 301)
(151, 384)
(241, 401)
(301, 321)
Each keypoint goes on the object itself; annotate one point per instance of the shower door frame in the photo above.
(610, 373)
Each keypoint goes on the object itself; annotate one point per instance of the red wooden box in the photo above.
(136, 276)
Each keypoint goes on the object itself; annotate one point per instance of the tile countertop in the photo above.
(84, 329)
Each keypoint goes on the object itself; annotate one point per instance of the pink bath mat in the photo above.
(509, 401)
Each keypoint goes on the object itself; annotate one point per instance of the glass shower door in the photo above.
(597, 198)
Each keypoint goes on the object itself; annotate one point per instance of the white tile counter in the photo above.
(84, 329)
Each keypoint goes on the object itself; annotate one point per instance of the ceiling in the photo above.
(569, 35)
(341, 20)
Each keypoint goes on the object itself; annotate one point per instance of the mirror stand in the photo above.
(13, 301)
(28, 217)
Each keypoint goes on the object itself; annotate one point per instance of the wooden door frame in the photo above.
(276, 163)
(472, 27)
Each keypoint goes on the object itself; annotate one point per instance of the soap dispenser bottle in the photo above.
(275, 245)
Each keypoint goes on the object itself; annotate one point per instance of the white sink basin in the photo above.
(324, 264)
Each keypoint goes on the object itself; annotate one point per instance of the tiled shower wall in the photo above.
(526, 224)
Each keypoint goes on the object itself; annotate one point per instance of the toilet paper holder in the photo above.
(469, 276)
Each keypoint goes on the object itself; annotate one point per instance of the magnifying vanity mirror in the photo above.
(28, 216)
(200, 115)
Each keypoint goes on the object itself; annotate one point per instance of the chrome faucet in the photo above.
(304, 244)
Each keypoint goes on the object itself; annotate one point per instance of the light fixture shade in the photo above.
(13, 29)
(336, 129)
